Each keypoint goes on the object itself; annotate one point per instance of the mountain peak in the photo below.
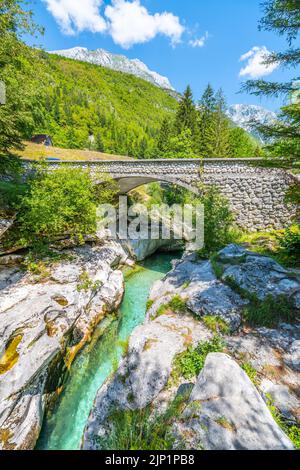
(117, 62)
(243, 114)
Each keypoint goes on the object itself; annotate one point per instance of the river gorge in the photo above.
(63, 428)
(101, 335)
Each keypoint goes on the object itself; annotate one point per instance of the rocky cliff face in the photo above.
(222, 408)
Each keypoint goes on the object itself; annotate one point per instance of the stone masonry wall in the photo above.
(256, 194)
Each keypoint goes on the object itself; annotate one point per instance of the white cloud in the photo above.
(256, 67)
(127, 21)
(200, 42)
(75, 16)
(130, 23)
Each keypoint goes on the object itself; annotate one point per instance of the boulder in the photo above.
(226, 412)
(285, 401)
(206, 295)
(142, 249)
(196, 282)
(259, 275)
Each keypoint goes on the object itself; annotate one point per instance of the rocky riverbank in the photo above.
(228, 405)
(46, 318)
(44, 323)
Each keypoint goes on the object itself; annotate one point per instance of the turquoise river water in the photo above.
(63, 427)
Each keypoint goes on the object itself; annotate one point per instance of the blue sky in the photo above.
(191, 42)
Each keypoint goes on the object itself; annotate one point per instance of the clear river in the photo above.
(64, 425)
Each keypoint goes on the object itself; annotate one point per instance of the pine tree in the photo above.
(164, 137)
(217, 133)
(181, 146)
(213, 136)
(241, 144)
(99, 142)
(186, 117)
(283, 17)
(208, 100)
(206, 110)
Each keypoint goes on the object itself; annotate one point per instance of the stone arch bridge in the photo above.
(256, 193)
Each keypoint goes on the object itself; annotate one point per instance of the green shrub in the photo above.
(10, 194)
(190, 363)
(281, 245)
(177, 304)
(290, 242)
(293, 194)
(142, 429)
(61, 202)
(86, 283)
(149, 304)
(218, 221)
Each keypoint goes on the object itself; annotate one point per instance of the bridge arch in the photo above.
(256, 193)
(127, 184)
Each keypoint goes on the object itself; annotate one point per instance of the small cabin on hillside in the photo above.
(42, 139)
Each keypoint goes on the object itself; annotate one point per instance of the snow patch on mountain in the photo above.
(117, 62)
(244, 114)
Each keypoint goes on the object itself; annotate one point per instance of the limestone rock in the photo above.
(271, 353)
(43, 325)
(292, 358)
(5, 225)
(145, 371)
(258, 274)
(141, 249)
(226, 412)
(196, 282)
(285, 401)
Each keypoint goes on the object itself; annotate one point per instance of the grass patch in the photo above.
(291, 430)
(190, 363)
(281, 245)
(86, 283)
(251, 372)
(149, 304)
(39, 269)
(176, 305)
(222, 421)
(216, 325)
(142, 429)
(268, 312)
(40, 152)
(218, 268)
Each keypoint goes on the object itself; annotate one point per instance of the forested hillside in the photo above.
(122, 112)
(86, 106)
